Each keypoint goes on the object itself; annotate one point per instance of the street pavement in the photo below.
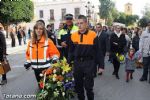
(107, 87)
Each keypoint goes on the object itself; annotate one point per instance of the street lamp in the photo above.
(89, 10)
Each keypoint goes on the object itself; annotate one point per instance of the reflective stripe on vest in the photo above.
(42, 63)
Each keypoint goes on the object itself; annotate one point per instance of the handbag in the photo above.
(4, 66)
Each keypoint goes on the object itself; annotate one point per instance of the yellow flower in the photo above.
(55, 75)
(66, 68)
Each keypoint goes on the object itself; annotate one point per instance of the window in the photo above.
(63, 13)
(77, 12)
(41, 14)
(51, 14)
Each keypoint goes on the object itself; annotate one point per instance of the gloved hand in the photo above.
(27, 66)
(55, 59)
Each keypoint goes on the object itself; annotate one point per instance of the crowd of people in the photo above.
(86, 48)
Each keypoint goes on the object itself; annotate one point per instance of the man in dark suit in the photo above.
(103, 44)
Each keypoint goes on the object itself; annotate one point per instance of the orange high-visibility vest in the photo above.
(39, 54)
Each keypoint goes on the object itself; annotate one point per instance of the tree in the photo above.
(143, 21)
(15, 11)
(126, 19)
(121, 18)
(105, 9)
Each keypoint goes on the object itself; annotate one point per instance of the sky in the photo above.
(137, 5)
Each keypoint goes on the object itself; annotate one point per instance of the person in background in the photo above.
(40, 51)
(130, 61)
(2, 53)
(19, 35)
(51, 34)
(65, 33)
(144, 48)
(102, 38)
(24, 35)
(117, 44)
(29, 33)
(105, 28)
(12, 36)
(128, 40)
(136, 39)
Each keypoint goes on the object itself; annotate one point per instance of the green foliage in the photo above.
(108, 11)
(143, 21)
(105, 8)
(126, 19)
(111, 14)
(13, 11)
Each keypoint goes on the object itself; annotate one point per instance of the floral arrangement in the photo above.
(57, 82)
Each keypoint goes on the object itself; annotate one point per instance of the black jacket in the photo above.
(79, 47)
(121, 41)
(51, 36)
(135, 42)
(103, 47)
(2, 45)
(103, 42)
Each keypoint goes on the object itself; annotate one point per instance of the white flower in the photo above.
(41, 75)
(72, 79)
(56, 93)
(63, 93)
(66, 80)
(54, 71)
(59, 83)
(54, 75)
(54, 79)
(63, 73)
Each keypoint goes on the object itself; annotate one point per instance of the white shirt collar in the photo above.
(118, 34)
(99, 33)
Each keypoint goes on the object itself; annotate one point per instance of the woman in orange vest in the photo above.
(40, 51)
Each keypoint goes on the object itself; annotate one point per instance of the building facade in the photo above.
(53, 11)
(128, 9)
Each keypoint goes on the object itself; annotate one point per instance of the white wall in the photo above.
(57, 6)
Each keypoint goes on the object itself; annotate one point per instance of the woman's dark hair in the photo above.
(125, 29)
(41, 21)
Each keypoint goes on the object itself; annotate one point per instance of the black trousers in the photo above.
(146, 68)
(37, 72)
(20, 41)
(1, 59)
(116, 64)
(83, 75)
(4, 77)
(13, 42)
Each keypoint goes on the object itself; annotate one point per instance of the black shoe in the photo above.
(94, 75)
(143, 79)
(117, 77)
(127, 81)
(113, 73)
(131, 77)
(3, 82)
(100, 73)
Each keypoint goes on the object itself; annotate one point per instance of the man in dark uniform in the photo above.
(64, 34)
(82, 51)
